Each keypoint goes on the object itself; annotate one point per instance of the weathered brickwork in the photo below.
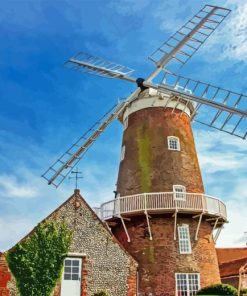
(106, 265)
(148, 165)
(5, 276)
(159, 259)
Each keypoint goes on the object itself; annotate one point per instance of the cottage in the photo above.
(95, 262)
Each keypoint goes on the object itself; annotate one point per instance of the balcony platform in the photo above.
(162, 203)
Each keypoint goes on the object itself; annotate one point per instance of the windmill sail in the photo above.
(87, 63)
(64, 165)
(223, 109)
(182, 45)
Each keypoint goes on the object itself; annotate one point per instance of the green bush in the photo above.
(243, 292)
(101, 293)
(37, 261)
(218, 289)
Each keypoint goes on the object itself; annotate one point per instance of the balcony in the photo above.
(163, 202)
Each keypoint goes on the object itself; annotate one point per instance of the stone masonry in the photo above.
(106, 265)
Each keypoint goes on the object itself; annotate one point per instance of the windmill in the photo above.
(161, 214)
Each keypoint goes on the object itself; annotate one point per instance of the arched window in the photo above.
(173, 143)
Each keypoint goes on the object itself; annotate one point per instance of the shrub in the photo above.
(101, 293)
(243, 292)
(37, 261)
(218, 289)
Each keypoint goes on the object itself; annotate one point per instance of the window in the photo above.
(71, 270)
(125, 123)
(179, 192)
(123, 153)
(173, 143)
(187, 284)
(184, 239)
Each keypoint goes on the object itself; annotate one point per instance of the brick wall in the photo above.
(148, 165)
(5, 276)
(160, 259)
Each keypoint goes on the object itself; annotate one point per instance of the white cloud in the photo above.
(13, 228)
(223, 162)
(221, 152)
(233, 233)
(11, 187)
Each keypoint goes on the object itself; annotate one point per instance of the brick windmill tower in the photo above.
(161, 213)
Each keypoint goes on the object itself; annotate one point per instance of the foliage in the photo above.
(37, 261)
(218, 289)
(243, 292)
(101, 293)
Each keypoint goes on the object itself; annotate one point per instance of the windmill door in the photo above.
(71, 280)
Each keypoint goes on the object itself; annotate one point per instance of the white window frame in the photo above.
(184, 242)
(189, 283)
(173, 138)
(125, 123)
(123, 153)
(179, 192)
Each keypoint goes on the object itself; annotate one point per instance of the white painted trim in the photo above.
(125, 123)
(123, 152)
(198, 227)
(78, 255)
(173, 138)
(153, 101)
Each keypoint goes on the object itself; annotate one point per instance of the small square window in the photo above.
(75, 277)
(67, 262)
(67, 276)
(173, 143)
(67, 269)
(75, 269)
(75, 263)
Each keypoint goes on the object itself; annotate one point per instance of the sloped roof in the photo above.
(232, 267)
(230, 254)
(77, 194)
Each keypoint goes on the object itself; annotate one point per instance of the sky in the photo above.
(45, 107)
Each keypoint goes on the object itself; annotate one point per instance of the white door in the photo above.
(71, 280)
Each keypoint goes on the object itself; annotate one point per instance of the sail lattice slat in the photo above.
(64, 165)
(181, 46)
(221, 109)
(90, 64)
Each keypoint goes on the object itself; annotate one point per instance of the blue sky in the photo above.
(45, 107)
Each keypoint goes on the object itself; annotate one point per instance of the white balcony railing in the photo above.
(162, 202)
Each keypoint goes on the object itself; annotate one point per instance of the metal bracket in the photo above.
(198, 226)
(215, 224)
(175, 225)
(125, 229)
(149, 229)
(218, 233)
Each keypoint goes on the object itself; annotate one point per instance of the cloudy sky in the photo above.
(44, 107)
